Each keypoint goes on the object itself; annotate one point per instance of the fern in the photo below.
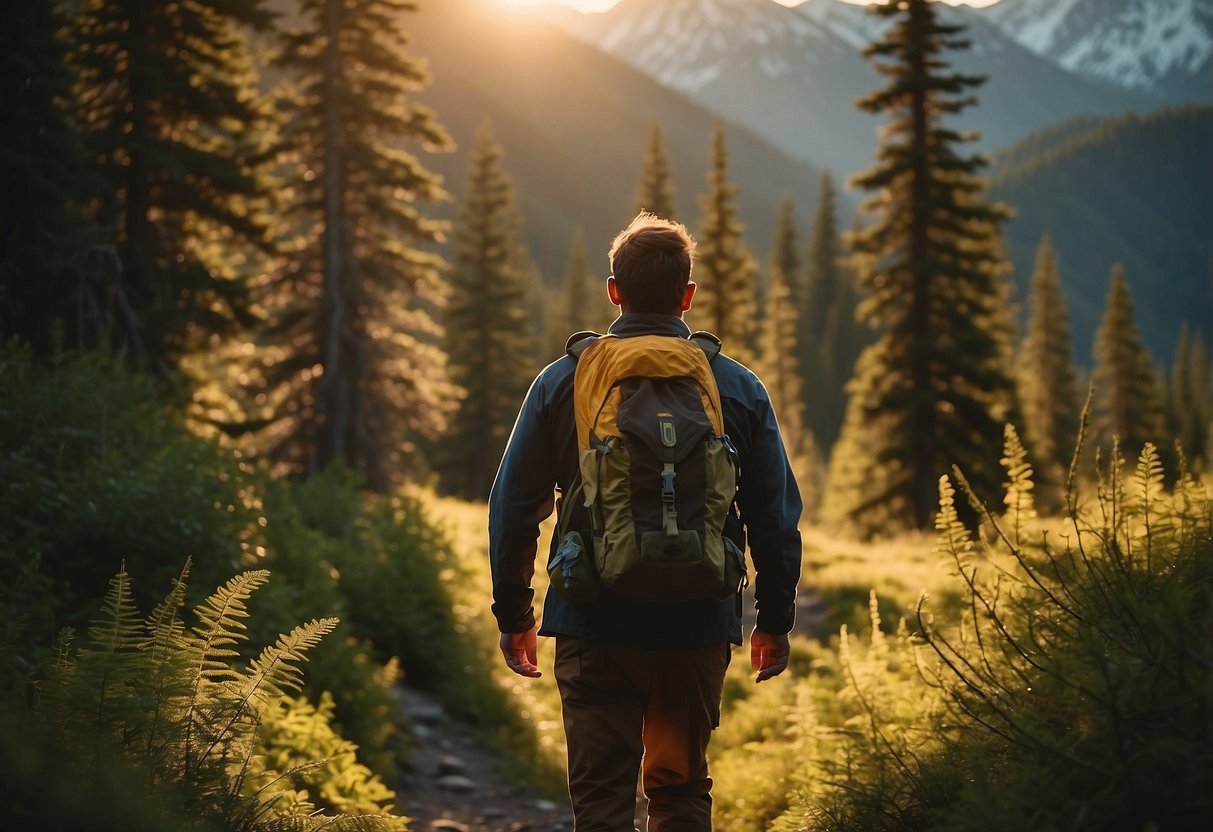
(1149, 480)
(167, 683)
(1019, 485)
(112, 660)
(209, 650)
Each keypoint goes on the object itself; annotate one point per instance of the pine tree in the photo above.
(41, 165)
(1048, 393)
(581, 304)
(725, 272)
(829, 336)
(655, 192)
(1126, 399)
(488, 323)
(1188, 397)
(355, 374)
(932, 391)
(168, 107)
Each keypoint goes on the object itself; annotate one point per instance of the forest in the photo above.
(260, 358)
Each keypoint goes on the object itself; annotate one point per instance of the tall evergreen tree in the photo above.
(1048, 393)
(725, 271)
(581, 304)
(829, 335)
(357, 376)
(168, 108)
(488, 322)
(1126, 399)
(1191, 397)
(41, 165)
(655, 193)
(933, 390)
(779, 366)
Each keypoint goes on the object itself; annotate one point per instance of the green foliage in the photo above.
(175, 702)
(933, 389)
(725, 270)
(168, 112)
(490, 331)
(99, 472)
(1070, 690)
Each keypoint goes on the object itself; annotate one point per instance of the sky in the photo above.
(600, 5)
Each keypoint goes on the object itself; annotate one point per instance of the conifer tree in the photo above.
(41, 165)
(933, 390)
(357, 376)
(169, 109)
(829, 336)
(489, 332)
(725, 271)
(655, 193)
(1126, 399)
(1191, 397)
(1048, 393)
(581, 304)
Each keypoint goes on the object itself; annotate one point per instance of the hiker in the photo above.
(640, 681)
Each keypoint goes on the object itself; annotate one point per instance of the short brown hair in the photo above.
(651, 263)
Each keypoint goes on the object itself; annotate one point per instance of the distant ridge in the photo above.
(1134, 190)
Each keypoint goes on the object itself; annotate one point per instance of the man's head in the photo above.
(651, 266)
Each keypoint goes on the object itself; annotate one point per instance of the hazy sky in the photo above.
(599, 5)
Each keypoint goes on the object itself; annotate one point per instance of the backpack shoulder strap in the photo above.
(707, 342)
(578, 342)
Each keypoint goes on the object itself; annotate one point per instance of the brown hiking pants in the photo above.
(625, 705)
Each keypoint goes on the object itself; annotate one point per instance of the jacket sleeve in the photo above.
(521, 499)
(770, 505)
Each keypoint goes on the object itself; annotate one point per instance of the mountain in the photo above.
(1131, 190)
(1162, 47)
(794, 73)
(574, 123)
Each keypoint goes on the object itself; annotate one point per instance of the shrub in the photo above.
(172, 700)
(1073, 691)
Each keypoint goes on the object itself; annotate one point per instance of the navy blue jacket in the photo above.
(541, 459)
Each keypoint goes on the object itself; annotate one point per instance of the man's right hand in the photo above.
(519, 652)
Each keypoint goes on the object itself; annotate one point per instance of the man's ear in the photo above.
(613, 292)
(688, 295)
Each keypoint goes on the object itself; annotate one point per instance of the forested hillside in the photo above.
(1133, 190)
(574, 123)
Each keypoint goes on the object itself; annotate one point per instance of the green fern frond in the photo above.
(1149, 480)
(164, 625)
(113, 658)
(951, 538)
(275, 671)
(220, 625)
(168, 681)
(1019, 485)
(120, 628)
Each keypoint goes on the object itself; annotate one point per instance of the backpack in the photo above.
(657, 475)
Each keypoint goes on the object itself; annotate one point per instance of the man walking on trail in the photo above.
(640, 680)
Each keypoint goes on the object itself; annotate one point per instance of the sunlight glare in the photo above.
(518, 5)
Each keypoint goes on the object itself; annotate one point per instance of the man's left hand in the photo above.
(768, 654)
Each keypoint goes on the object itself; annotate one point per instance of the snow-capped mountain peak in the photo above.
(1159, 46)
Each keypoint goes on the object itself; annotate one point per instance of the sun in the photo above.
(519, 5)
